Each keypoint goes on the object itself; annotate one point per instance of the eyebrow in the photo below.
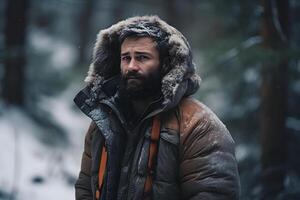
(137, 52)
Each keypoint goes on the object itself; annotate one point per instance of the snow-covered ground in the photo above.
(31, 169)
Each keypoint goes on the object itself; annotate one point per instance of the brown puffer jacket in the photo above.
(205, 160)
(195, 158)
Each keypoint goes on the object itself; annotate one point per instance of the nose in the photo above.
(133, 65)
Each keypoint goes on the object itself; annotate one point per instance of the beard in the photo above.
(137, 86)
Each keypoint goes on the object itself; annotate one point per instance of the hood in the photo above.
(180, 78)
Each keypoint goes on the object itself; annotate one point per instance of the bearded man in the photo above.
(148, 138)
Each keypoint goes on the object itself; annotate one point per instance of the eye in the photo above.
(125, 58)
(142, 57)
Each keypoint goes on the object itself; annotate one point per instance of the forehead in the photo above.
(138, 44)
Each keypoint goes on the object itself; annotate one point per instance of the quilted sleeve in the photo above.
(83, 190)
(208, 168)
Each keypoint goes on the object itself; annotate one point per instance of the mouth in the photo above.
(130, 78)
(133, 78)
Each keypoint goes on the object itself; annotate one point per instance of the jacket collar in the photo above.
(105, 92)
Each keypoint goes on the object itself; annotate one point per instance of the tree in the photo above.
(275, 32)
(84, 28)
(15, 58)
(118, 8)
(178, 13)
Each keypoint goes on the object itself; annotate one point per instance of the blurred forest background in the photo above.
(247, 53)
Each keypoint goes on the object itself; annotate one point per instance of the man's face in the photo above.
(140, 67)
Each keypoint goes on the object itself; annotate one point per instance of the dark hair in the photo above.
(152, 30)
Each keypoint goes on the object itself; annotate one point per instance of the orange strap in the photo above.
(152, 154)
(101, 171)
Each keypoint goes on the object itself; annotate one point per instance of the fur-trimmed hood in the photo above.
(180, 79)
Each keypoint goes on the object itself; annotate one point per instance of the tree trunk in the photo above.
(179, 13)
(15, 58)
(274, 97)
(84, 28)
(118, 8)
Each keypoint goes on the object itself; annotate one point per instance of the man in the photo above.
(148, 138)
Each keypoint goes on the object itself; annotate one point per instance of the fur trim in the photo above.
(182, 69)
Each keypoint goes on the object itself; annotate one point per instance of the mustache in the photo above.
(133, 75)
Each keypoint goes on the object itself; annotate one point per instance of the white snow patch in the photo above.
(293, 123)
(241, 152)
(61, 109)
(23, 156)
(251, 75)
(62, 54)
(296, 86)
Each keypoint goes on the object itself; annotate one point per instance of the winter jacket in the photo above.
(195, 158)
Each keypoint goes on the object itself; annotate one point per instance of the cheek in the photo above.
(122, 69)
(153, 67)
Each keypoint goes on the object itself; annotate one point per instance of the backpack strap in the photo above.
(152, 155)
(101, 171)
